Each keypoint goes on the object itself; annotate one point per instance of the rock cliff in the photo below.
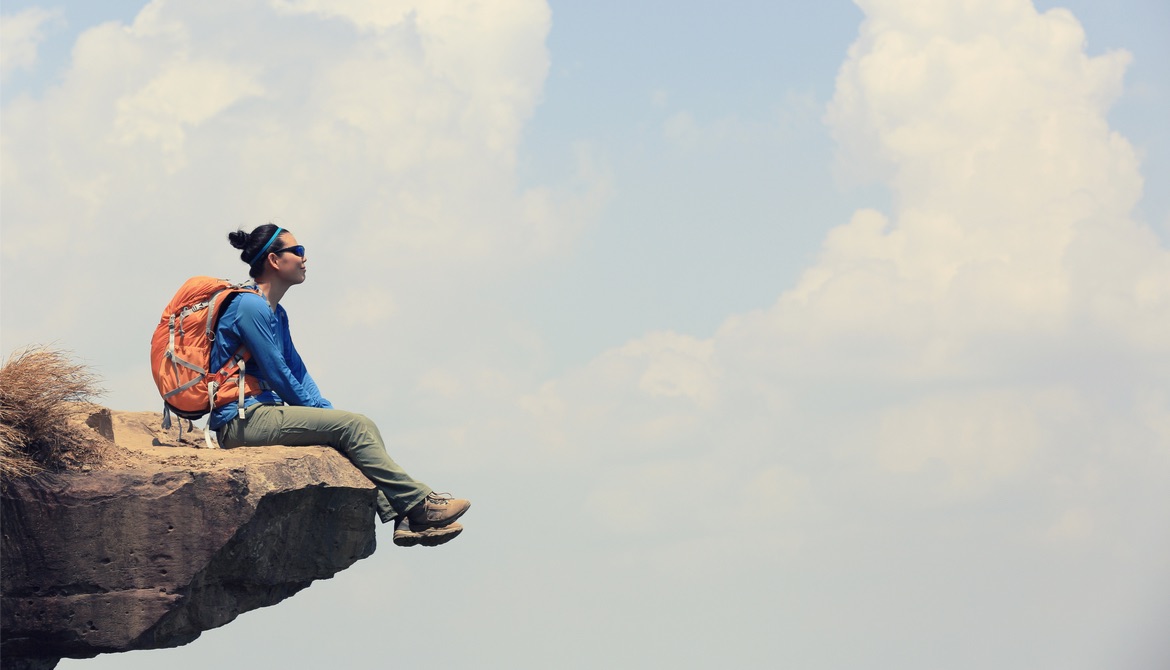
(165, 540)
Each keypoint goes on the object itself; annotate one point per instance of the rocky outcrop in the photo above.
(167, 540)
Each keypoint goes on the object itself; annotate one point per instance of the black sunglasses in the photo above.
(298, 250)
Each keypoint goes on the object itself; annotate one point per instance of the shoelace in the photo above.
(439, 498)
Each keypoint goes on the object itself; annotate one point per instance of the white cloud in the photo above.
(20, 35)
(958, 346)
(1074, 524)
(366, 306)
(966, 441)
(681, 129)
(384, 135)
(184, 95)
(362, 129)
(366, 14)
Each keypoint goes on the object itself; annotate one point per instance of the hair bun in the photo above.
(238, 238)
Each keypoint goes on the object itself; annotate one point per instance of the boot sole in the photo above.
(430, 537)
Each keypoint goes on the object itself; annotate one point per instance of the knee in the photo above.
(360, 423)
(359, 419)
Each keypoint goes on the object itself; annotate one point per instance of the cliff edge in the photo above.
(164, 540)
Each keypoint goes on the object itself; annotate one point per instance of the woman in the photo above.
(291, 411)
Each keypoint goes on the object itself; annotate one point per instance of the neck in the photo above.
(273, 289)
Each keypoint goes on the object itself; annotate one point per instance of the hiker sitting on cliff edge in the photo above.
(292, 412)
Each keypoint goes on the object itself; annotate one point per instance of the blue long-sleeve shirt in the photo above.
(264, 332)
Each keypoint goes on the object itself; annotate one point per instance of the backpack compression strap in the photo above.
(213, 387)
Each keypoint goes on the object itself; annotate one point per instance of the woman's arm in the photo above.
(300, 371)
(263, 334)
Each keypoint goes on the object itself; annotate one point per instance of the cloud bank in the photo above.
(20, 35)
(996, 341)
(384, 134)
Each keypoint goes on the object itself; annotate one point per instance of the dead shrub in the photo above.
(40, 392)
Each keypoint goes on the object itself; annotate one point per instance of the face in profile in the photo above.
(290, 259)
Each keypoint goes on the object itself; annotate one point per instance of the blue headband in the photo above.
(270, 241)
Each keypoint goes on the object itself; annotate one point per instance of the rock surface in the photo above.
(165, 540)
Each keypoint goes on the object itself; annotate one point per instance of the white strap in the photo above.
(211, 388)
(171, 343)
(240, 384)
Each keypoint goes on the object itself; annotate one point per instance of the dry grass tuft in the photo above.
(40, 390)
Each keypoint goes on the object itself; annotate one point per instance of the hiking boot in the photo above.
(429, 537)
(437, 509)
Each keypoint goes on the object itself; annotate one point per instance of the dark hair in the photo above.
(251, 244)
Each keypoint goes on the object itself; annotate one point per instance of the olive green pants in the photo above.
(352, 434)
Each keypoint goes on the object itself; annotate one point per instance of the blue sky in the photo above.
(818, 335)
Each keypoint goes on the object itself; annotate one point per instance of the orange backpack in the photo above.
(180, 353)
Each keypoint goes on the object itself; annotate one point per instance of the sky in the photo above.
(763, 334)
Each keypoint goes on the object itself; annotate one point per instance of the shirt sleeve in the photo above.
(265, 334)
(312, 386)
(297, 365)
